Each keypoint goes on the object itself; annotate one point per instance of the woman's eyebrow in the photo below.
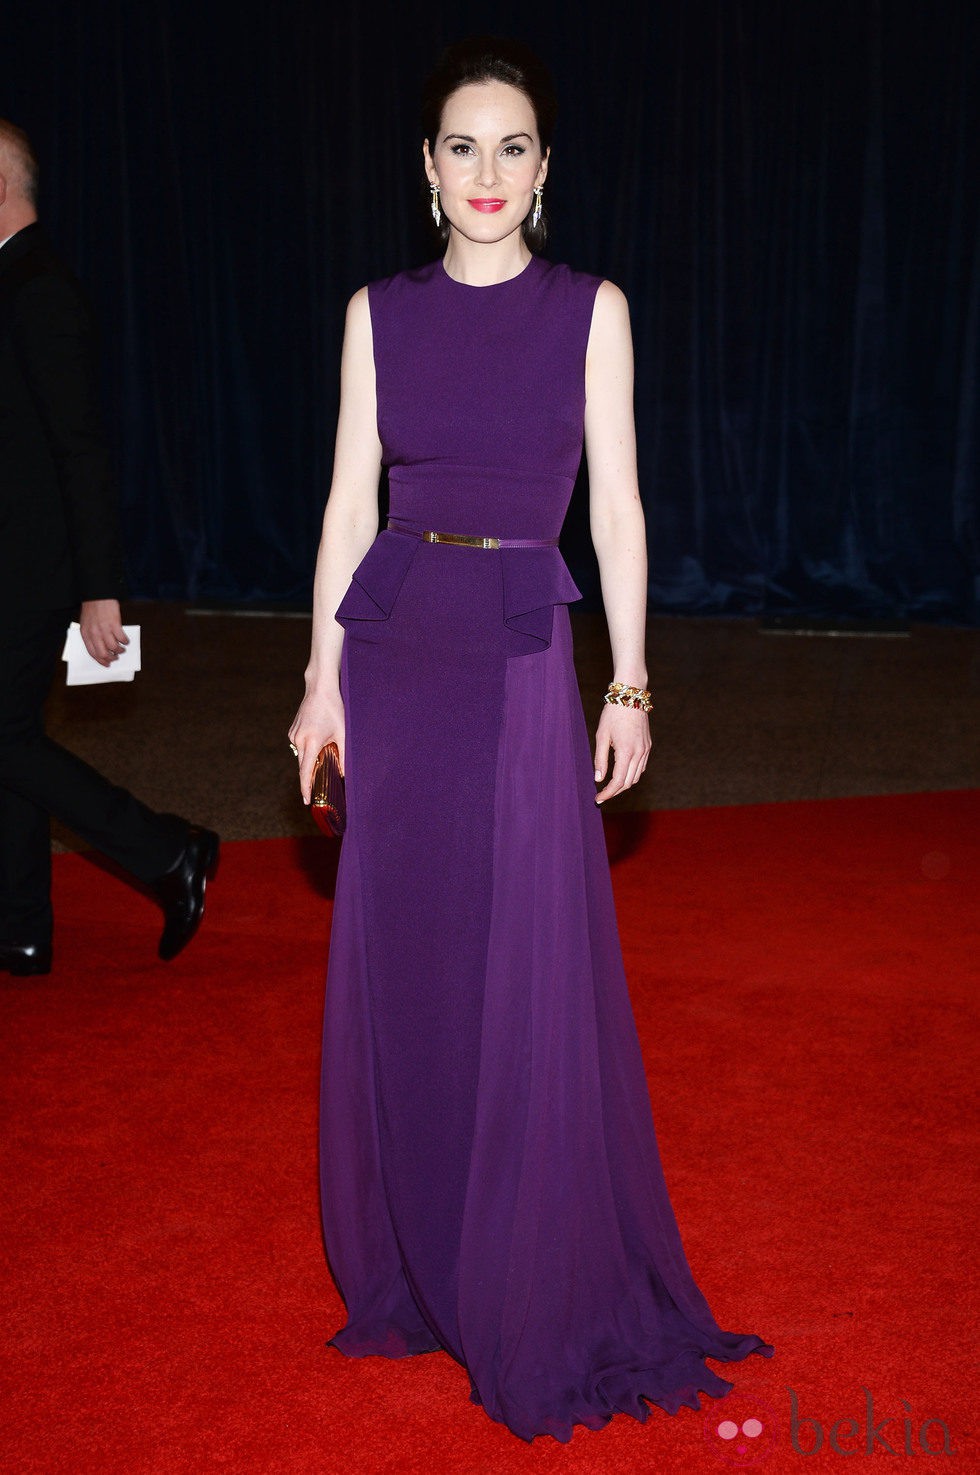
(507, 138)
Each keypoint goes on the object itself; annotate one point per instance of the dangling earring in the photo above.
(536, 212)
(436, 212)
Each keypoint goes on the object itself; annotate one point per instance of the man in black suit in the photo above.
(60, 557)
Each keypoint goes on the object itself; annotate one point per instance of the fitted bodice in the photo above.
(481, 405)
(481, 396)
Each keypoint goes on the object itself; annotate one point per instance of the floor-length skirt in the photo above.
(491, 1183)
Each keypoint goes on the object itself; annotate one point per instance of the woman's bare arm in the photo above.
(618, 532)
(350, 525)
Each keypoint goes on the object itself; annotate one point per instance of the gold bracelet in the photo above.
(618, 695)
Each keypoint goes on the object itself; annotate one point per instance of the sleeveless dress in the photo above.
(491, 1183)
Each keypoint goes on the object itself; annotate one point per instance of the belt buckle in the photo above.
(461, 540)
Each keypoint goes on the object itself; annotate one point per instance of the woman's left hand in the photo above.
(627, 731)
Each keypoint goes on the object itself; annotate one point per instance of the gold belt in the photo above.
(461, 539)
(465, 541)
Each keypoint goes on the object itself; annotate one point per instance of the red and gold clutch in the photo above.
(328, 800)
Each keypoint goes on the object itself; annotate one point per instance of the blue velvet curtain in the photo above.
(786, 192)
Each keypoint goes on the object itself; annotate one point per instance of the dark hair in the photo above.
(492, 59)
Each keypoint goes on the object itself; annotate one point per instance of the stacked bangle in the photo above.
(618, 695)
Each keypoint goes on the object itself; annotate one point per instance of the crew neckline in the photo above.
(487, 286)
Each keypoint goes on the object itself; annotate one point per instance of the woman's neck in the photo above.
(479, 264)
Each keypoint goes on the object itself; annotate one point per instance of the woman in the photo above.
(490, 1177)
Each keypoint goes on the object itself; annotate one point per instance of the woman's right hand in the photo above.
(320, 720)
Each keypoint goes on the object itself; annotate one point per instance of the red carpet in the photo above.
(804, 978)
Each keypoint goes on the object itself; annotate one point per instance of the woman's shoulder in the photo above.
(583, 297)
(584, 285)
(399, 281)
(562, 271)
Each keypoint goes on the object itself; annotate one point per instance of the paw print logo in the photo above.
(741, 1429)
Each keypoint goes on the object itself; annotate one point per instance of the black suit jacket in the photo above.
(59, 526)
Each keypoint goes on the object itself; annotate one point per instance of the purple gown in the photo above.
(491, 1183)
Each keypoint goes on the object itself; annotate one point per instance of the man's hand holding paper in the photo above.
(84, 669)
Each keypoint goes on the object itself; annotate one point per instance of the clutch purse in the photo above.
(328, 800)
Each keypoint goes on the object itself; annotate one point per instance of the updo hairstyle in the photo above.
(492, 59)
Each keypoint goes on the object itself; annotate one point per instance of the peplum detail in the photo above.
(533, 582)
(377, 580)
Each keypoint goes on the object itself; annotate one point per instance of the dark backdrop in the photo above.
(787, 192)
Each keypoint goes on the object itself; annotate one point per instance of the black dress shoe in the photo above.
(25, 958)
(180, 891)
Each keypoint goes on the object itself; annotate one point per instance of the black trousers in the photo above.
(39, 778)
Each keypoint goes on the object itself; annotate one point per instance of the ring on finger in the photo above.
(294, 750)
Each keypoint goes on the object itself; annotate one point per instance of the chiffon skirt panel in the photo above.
(491, 1182)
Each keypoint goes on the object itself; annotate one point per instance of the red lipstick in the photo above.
(489, 207)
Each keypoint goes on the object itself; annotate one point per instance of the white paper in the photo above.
(84, 671)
